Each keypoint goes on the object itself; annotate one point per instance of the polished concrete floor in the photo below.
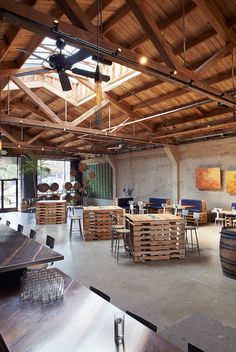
(162, 292)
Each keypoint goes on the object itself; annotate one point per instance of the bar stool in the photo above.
(122, 234)
(74, 218)
(114, 227)
(190, 244)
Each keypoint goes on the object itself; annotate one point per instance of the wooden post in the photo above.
(112, 162)
(173, 157)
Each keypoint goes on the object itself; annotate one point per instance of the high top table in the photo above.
(82, 322)
(156, 236)
(18, 251)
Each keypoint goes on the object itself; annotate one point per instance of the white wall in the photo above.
(219, 153)
(149, 171)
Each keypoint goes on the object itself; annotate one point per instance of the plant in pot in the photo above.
(31, 166)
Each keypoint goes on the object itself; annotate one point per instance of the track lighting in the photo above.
(117, 52)
(55, 25)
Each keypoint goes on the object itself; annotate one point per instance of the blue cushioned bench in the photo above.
(198, 206)
(155, 203)
(123, 202)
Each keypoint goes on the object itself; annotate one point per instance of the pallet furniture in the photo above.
(51, 212)
(196, 206)
(156, 236)
(97, 221)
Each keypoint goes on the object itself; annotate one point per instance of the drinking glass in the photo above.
(119, 325)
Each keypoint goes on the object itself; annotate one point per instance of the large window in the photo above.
(102, 183)
(60, 172)
(8, 168)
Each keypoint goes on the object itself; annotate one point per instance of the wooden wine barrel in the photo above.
(68, 197)
(43, 187)
(68, 186)
(228, 251)
(54, 187)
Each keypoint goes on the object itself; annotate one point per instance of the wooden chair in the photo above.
(20, 228)
(3, 346)
(32, 234)
(8, 223)
(100, 293)
(142, 321)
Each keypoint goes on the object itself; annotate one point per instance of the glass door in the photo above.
(8, 195)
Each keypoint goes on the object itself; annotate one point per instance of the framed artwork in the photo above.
(230, 178)
(208, 178)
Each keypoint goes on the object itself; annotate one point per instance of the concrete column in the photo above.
(112, 162)
(173, 157)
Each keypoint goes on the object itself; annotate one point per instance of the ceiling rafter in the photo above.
(42, 106)
(115, 18)
(91, 112)
(215, 17)
(129, 58)
(147, 22)
(77, 17)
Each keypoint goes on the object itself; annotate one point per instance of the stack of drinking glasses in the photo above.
(42, 286)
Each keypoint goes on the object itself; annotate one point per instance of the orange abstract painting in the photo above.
(208, 178)
(230, 177)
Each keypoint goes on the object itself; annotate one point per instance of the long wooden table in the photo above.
(82, 322)
(156, 236)
(18, 251)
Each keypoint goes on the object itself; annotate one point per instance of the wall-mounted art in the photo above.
(230, 178)
(208, 178)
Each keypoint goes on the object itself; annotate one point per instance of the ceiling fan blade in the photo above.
(90, 74)
(78, 56)
(33, 72)
(64, 80)
(33, 54)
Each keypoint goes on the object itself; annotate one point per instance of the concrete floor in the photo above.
(162, 292)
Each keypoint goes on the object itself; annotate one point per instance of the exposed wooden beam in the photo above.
(215, 17)
(149, 25)
(129, 58)
(37, 136)
(77, 17)
(115, 18)
(91, 112)
(93, 9)
(215, 58)
(42, 106)
(9, 136)
(139, 89)
(25, 106)
(189, 7)
(69, 127)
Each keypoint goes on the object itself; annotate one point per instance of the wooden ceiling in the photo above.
(185, 91)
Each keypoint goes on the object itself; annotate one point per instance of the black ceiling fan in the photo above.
(61, 63)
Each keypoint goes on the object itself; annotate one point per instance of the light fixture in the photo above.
(55, 25)
(2, 152)
(143, 60)
(117, 52)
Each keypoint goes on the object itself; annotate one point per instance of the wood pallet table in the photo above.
(97, 221)
(156, 236)
(51, 212)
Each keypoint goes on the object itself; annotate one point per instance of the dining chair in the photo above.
(142, 321)
(100, 293)
(3, 346)
(219, 219)
(8, 223)
(141, 210)
(20, 228)
(50, 241)
(192, 348)
(32, 234)
(164, 207)
(131, 207)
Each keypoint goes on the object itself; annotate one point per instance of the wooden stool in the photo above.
(114, 235)
(74, 218)
(122, 234)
